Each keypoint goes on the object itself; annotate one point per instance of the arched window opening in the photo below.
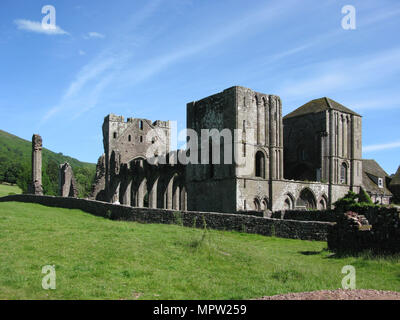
(140, 124)
(129, 138)
(306, 200)
(260, 165)
(287, 205)
(264, 204)
(343, 173)
(257, 205)
(301, 153)
(115, 135)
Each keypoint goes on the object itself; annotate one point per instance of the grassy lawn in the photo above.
(5, 190)
(97, 258)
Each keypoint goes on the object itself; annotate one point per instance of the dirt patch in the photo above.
(339, 294)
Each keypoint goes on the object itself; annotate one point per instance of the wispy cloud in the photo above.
(383, 146)
(92, 73)
(84, 92)
(255, 18)
(329, 76)
(329, 37)
(34, 26)
(94, 35)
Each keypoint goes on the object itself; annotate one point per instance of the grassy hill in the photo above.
(96, 258)
(15, 159)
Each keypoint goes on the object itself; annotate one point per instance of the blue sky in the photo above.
(149, 58)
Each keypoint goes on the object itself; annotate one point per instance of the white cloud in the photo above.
(254, 19)
(34, 26)
(383, 146)
(95, 35)
(92, 80)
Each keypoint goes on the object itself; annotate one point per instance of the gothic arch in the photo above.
(265, 204)
(257, 204)
(260, 164)
(288, 203)
(323, 202)
(344, 173)
(306, 199)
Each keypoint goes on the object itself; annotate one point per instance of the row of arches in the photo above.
(147, 186)
(306, 200)
(261, 204)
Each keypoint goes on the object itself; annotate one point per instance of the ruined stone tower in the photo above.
(67, 183)
(126, 142)
(36, 185)
(258, 149)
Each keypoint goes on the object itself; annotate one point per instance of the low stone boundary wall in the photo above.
(305, 230)
(305, 215)
(382, 235)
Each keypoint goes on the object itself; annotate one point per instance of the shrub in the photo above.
(354, 202)
(363, 197)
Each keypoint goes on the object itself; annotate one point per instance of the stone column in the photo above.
(169, 193)
(153, 195)
(126, 196)
(176, 198)
(67, 184)
(36, 186)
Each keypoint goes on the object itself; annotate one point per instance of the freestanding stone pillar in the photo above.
(36, 186)
(67, 184)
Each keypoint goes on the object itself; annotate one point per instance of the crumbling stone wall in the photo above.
(354, 232)
(127, 141)
(67, 183)
(306, 230)
(332, 136)
(314, 215)
(99, 185)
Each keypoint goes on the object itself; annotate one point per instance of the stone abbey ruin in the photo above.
(305, 160)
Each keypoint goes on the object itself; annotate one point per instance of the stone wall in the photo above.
(315, 215)
(380, 233)
(305, 230)
(67, 183)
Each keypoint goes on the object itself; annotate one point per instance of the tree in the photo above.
(353, 202)
(363, 197)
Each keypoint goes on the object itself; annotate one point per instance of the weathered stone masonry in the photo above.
(36, 184)
(67, 183)
(322, 142)
(305, 230)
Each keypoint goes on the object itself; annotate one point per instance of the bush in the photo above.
(354, 202)
(363, 197)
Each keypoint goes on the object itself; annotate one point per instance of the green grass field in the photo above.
(5, 190)
(96, 258)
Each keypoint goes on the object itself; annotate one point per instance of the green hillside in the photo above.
(15, 163)
(96, 258)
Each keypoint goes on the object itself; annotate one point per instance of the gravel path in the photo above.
(338, 294)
